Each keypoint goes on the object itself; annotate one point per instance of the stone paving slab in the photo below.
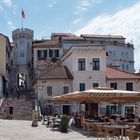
(22, 130)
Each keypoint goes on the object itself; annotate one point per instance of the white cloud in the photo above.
(51, 3)
(84, 5)
(76, 21)
(11, 26)
(9, 3)
(125, 22)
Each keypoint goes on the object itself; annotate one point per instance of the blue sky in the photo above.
(120, 17)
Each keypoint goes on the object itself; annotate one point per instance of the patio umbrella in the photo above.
(102, 95)
(111, 95)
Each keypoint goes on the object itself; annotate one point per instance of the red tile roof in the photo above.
(113, 73)
(47, 43)
(58, 72)
(73, 38)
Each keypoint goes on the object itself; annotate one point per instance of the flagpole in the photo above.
(22, 23)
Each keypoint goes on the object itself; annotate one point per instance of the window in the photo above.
(50, 53)
(123, 68)
(53, 53)
(122, 53)
(56, 53)
(96, 63)
(66, 89)
(45, 53)
(49, 90)
(129, 86)
(127, 67)
(115, 43)
(95, 85)
(22, 53)
(82, 86)
(41, 53)
(113, 85)
(81, 64)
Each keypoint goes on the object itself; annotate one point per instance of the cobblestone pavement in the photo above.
(22, 130)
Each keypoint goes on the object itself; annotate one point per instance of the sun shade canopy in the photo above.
(102, 95)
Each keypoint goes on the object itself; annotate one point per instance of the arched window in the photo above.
(21, 53)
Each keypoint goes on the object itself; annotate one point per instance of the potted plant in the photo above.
(64, 123)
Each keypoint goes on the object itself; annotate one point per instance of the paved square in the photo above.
(22, 130)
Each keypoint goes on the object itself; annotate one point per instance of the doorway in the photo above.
(92, 109)
(66, 109)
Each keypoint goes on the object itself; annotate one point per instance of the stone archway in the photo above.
(22, 80)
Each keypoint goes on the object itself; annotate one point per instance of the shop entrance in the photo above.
(66, 109)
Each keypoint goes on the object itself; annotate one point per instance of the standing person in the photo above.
(10, 111)
(18, 92)
(6, 110)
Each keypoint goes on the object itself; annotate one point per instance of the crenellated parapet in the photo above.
(22, 33)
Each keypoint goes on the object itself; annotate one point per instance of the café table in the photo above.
(101, 123)
(120, 127)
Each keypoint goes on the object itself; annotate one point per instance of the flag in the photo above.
(23, 14)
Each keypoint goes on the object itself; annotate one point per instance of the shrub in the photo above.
(64, 123)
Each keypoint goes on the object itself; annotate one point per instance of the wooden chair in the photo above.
(130, 134)
(90, 128)
(112, 133)
(84, 128)
(101, 132)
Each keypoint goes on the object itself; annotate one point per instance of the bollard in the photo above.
(34, 118)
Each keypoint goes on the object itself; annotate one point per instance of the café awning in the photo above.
(103, 95)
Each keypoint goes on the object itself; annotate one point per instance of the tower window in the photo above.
(21, 53)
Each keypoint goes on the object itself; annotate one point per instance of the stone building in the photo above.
(119, 53)
(92, 60)
(22, 58)
(5, 62)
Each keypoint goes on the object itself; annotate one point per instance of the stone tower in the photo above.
(21, 71)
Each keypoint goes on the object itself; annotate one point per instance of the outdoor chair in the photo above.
(84, 128)
(132, 134)
(101, 132)
(90, 129)
(112, 133)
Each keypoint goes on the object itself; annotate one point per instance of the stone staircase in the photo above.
(22, 109)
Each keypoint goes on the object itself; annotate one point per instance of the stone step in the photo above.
(22, 109)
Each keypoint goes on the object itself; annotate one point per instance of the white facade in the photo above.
(121, 83)
(57, 88)
(87, 76)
